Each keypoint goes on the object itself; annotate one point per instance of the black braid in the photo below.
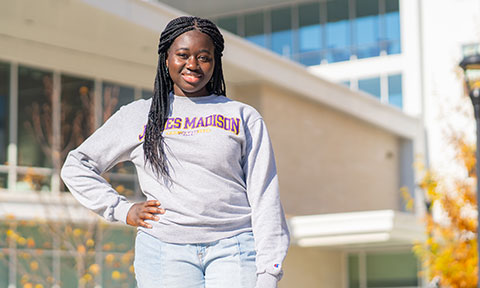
(153, 146)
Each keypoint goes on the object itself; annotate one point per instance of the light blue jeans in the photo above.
(226, 263)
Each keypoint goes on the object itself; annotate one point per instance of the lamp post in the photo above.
(471, 68)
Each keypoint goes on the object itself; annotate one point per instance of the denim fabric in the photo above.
(224, 263)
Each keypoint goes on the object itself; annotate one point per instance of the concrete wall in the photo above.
(313, 268)
(328, 162)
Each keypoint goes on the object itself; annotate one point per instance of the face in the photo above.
(190, 63)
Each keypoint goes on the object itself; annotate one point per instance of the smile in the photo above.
(191, 78)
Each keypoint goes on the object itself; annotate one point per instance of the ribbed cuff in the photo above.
(120, 211)
(266, 280)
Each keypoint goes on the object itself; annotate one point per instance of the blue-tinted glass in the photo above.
(310, 58)
(282, 31)
(4, 104)
(338, 41)
(395, 90)
(371, 86)
(228, 23)
(392, 30)
(346, 83)
(367, 29)
(338, 31)
(367, 36)
(310, 38)
(254, 30)
(309, 31)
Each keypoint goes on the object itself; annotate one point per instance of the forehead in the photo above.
(193, 39)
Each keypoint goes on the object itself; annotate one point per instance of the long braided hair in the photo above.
(153, 146)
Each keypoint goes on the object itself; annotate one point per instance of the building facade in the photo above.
(346, 88)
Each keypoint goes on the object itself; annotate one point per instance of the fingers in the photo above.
(154, 210)
(152, 203)
(142, 211)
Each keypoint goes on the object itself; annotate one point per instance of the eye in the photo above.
(182, 55)
(204, 58)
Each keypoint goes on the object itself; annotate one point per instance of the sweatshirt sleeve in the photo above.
(83, 167)
(268, 219)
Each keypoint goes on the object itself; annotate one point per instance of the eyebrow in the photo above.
(202, 50)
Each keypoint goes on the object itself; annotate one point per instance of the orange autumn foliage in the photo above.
(449, 253)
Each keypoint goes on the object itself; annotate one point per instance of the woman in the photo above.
(213, 216)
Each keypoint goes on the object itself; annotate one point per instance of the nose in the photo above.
(192, 63)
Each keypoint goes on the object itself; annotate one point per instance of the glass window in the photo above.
(228, 23)
(338, 31)
(117, 238)
(78, 111)
(34, 235)
(371, 86)
(147, 94)
(69, 274)
(353, 271)
(254, 30)
(310, 34)
(282, 31)
(115, 96)
(367, 29)
(35, 89)
(391, 270)
(33, 268)
(118, 270)
(392, 28)
(4, 104)
(77, 114)
(395, 90)
(4, 268)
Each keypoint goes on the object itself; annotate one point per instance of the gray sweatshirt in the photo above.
(223, 176)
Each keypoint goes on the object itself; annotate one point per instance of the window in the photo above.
(391, 270)
(115, 96)
(310, 34)
(392, 27)
(35, 129)
(35, 92)
(395, 90)
(4, 103)
(282, 31)
(382, 269)
(353, 271)
(147, 94)
(122, 177)
(338, 31)
(371, 86)
(229, 24)
(367, 29)
(254, 30)
(103, 251)
(4, 119)
(77, 108)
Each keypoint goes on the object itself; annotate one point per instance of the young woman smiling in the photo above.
(213, 216)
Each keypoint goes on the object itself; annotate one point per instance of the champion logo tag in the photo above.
(276, 265)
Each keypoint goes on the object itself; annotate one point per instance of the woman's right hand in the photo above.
(142, 211)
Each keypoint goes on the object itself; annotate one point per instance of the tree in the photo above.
(449, 253)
